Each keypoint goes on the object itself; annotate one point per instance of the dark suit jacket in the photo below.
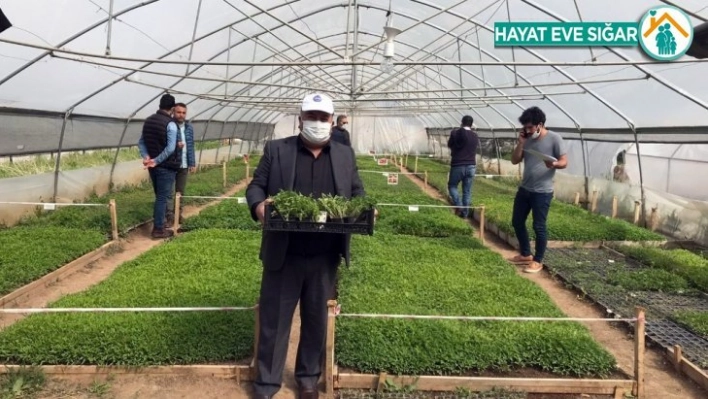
(276, 171)
(341, 135)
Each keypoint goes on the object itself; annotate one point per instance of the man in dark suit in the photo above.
(340, 133)
(299, 266)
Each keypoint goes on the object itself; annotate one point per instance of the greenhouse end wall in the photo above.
(76, 185)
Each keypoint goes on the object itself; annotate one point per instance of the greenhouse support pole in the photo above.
(115, 158)
(355, 47)
(206, 128)
(110, 27)
(351, 128)
(231, 141)
(499, 156)
(245, 131)
(349, 27)
(586, 175)
(459, 58)
(221, 134)
(57, 164)
(641, 179)
(194, 34)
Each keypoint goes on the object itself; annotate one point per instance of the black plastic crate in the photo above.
(364, 224)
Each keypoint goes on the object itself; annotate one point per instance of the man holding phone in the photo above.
(537, 147)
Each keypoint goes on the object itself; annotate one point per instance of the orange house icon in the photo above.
(665, 17)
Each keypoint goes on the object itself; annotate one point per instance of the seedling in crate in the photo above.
(291, 211)
(294, 206)
(336, 207)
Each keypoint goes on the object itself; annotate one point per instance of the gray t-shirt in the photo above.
(537, 177)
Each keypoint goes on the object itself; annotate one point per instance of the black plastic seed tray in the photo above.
(364, 224)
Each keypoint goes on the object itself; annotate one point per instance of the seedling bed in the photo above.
(363, 224)
(588, 270)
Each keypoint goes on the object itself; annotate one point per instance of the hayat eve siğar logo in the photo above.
(666, 33)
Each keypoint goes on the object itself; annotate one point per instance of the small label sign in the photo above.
(383, 162)
(413, 208)
(322, 218)
(393, 179)
(50, 207)
(241, 200)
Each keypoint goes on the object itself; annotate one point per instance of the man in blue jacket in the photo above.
(185, 150)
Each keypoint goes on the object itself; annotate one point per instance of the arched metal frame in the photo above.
(457, 104)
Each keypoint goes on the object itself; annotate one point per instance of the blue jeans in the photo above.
(163, 180)
(538, 205)
(464, 174)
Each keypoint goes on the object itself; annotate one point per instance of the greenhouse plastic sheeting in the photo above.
(109, 58)
(76, 185)
(33, 133)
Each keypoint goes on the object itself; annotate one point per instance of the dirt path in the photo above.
(663, 382)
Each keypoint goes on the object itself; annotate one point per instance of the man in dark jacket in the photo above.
(185, 149)
(463, 144)
(340, 133)
(157, 147)
(299, 266)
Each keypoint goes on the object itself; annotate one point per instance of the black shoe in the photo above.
(162, 233)
(308, 393)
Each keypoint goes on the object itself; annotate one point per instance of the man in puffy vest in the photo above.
(157, 147)
(463, 143)
(185, 149)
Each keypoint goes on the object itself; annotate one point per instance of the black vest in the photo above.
(463, 146)
(155, 138)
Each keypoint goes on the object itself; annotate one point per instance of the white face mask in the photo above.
(316, 132)
(536, 134)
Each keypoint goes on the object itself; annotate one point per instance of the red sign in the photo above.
(383, 162)
(393, 179)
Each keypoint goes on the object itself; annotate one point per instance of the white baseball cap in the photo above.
(318, 102)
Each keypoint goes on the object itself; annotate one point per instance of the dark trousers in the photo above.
(464, 174)
(180, 185)
(162, 181)
(538, 204)
(309, 280)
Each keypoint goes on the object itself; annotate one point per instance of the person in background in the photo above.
(340, 133)
(618, 172)
(535, 191)
(299, 267)
(463, 143)
(185, 148)
(157, 147)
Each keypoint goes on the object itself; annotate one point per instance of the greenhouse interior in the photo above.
(434, 299)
